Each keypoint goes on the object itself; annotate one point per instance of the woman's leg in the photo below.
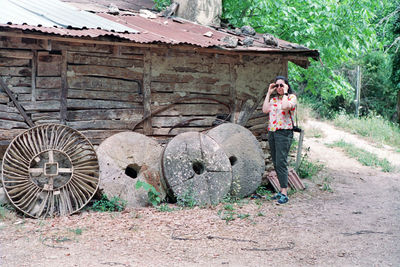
(283, 141)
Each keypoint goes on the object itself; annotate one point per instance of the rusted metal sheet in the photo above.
(134, 27)
(293, 180)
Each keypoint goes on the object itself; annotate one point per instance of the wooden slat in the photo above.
(192, 87)
(13, 62)
(4, 99)
(104, 60)
(41, 116)
(175, 131)
(48, 82)
(108, 114)
(104, 71)
(48, 94)
(175, 121)
(147, 125)
(33, 76)
(11, 116)
(64, 87)
(8, 109)
(21, 54)
(103, 84)
(103, 124)
(106, 95)
(6, 124)
(15, 71)
(21, 42)
(195, 109)
(9, 134)
(16, 103)
(100, 104)
(48, 64)
(164, 98)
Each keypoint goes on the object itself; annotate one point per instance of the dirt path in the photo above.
(358, 224)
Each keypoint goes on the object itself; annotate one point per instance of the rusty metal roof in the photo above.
(54, 13)
(148, 28)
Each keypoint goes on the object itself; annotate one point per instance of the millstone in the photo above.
(126, 158)
(245, 155)
(195, 166)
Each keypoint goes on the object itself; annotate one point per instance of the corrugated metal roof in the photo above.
(54, 13)
(158, 30)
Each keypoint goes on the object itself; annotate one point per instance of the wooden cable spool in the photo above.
(50, 170)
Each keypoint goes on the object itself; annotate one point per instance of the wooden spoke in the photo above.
(50, 170)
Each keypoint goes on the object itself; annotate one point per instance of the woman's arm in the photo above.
(286, 103)
(266, 105)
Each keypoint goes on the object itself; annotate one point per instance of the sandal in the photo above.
(277, 196)
(282, 200)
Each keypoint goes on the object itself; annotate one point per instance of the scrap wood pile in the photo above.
(52, 169)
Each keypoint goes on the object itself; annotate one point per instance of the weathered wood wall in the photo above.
(104, 89)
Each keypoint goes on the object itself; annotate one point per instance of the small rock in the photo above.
(238, 31)
(269, 39)
(113, 9)
(248, 30)
(248, 41)
(3, 197)
(147, 14)
(230, 41)
(208, 34)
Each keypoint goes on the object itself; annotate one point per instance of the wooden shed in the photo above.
(164, 77)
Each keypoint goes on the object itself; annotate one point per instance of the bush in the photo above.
(109, 205)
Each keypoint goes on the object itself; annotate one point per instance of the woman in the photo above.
(280, 129)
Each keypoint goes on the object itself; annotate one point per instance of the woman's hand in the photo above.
(285, 88)
(271, 88)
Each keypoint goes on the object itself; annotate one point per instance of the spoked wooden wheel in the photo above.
(50, 170)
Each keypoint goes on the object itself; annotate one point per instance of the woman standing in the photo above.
(280, 129)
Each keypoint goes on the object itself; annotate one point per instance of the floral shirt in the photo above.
(278, 118)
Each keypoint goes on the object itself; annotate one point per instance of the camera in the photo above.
(297, 129)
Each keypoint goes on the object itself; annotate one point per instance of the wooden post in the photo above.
(64, 88)
(147, 126)
(4, 86)
(358, 90)
(299, 149)
(398, 106)
(33, 83)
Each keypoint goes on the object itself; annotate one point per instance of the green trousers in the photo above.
(279, 145)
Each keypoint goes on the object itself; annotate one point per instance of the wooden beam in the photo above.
(64, 88)
(147, 126)
(33, 83)
(270, 53)
(17, 105)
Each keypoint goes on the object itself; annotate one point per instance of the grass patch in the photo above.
(314, 133)
(364, 157)
(308, 168)
(374, 128)
(109, 205)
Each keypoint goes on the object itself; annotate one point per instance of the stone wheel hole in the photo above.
(233, 160)
(132, 170)
(198, 167)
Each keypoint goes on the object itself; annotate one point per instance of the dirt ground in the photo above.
(357, 223)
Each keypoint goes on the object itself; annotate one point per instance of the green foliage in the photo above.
(364, 157)
(345, 31)
(186, 199)
(152, 194)
(164, 208)
(109, 205)
(161, 4)
(307, 168)
(373, 127)
(77, 231)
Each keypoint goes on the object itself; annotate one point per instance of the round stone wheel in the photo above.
(245, 155)
(196, 168)
(126, 158)
(50, 170)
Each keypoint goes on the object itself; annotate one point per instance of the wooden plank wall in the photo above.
(111, 88)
